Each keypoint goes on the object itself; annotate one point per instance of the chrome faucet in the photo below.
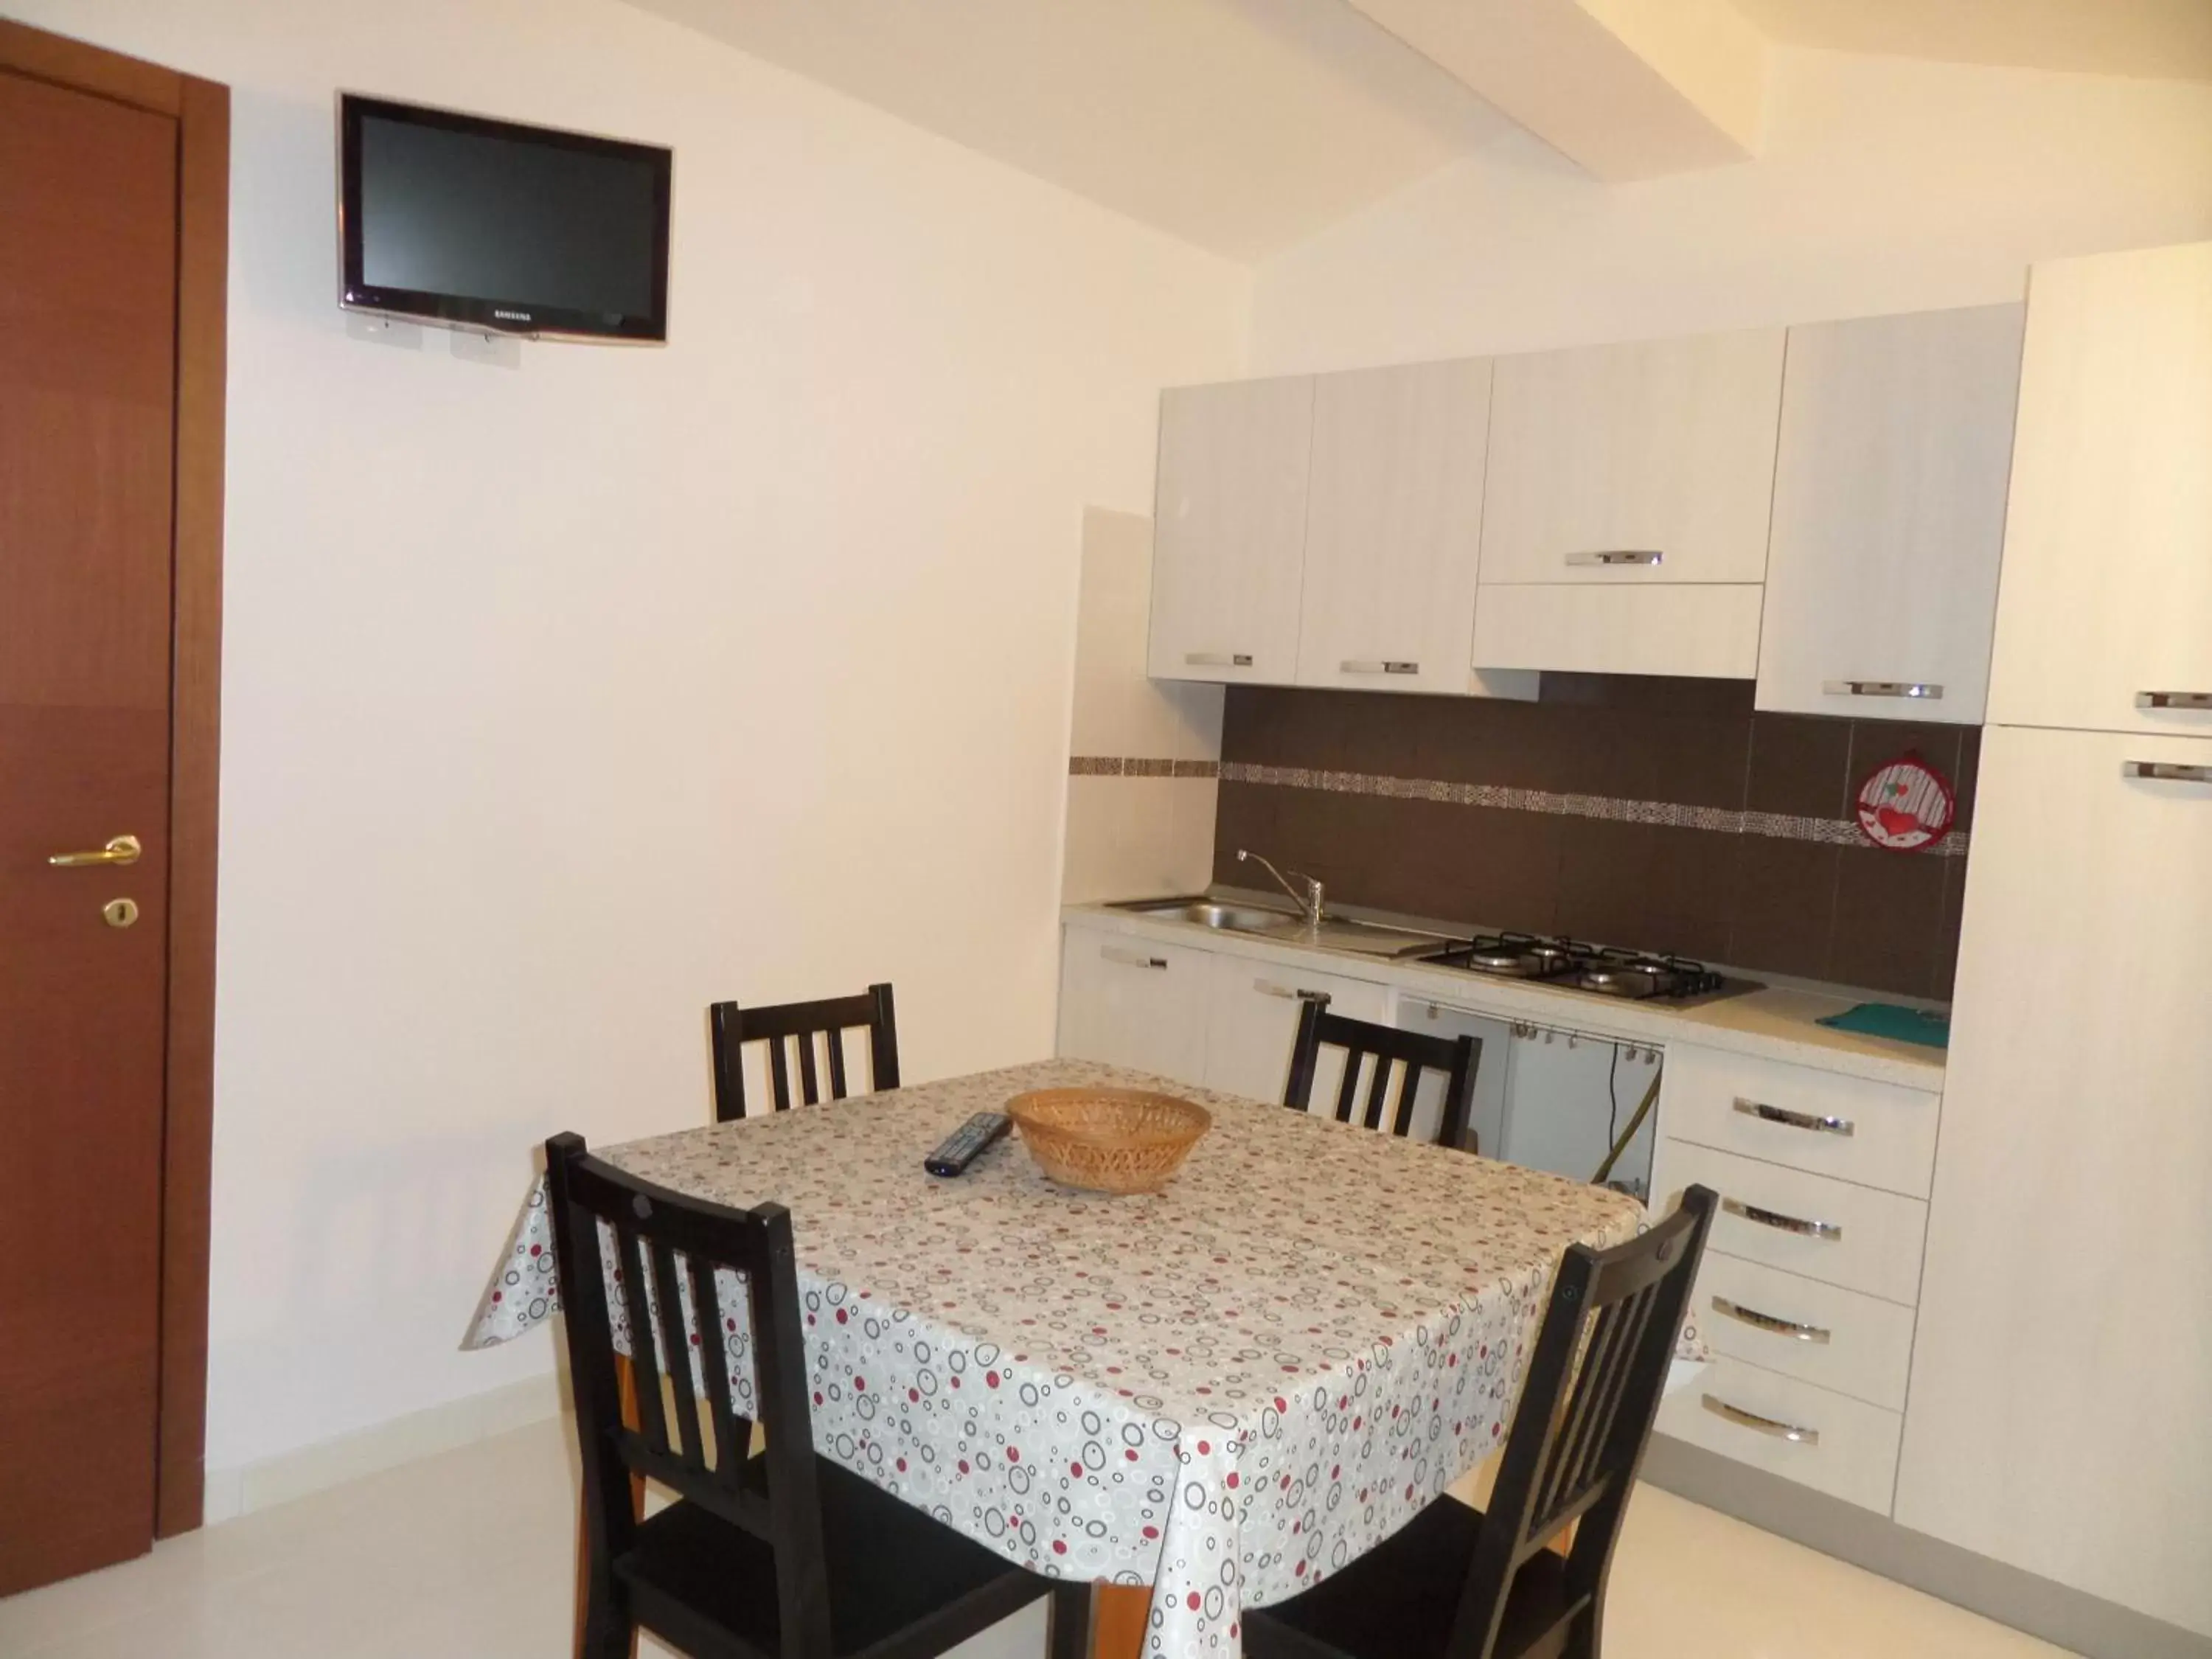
(1310, 902)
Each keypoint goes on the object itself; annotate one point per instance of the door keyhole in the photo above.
(119, 913)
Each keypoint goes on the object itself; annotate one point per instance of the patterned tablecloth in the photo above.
(1226, 1390)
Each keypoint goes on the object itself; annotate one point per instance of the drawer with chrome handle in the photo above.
(1217, 659)
(2191, 702)
(1268, 988)
(1798, 1430)
(1920, 691)
(1818, 1123)
(1763, 1321)
(1856, 1345)
(1131, 959)
(1377, 665)
(1874, 1134)
(1781, 1223)
(2165, 772)
(1644, 556)
(1773, 1425)
(1835, 1232)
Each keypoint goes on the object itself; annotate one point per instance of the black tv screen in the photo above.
(487, 224)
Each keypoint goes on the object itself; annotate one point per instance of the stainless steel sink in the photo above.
(1334, 933)
(1212, 913)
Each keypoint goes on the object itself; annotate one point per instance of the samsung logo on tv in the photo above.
(512, 316)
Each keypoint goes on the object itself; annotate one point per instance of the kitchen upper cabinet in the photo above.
(1133, 1002)
(1394, 529)
(2057, 1415)
(1889, 514)
(1252, 1016)
(1643, 464)
(1229, 535)
(2102, 615)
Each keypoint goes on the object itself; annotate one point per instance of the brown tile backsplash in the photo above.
(1638, 833)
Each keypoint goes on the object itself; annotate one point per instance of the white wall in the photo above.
(1884, 185)
(561, 699)
(1131, 832)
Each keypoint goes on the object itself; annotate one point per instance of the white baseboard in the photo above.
(245, 1488)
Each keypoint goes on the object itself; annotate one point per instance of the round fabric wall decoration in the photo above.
(1905, 806)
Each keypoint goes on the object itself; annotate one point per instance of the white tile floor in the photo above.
(470, 1556)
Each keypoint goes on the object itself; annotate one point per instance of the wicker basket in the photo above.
(1108, 1141)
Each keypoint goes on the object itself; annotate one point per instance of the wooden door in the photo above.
(1229, 531)
(1394, 527)
(2108, 537)
(1623, 453)
(88, 363)
(2057, 1419)
(1889, 514)
(1133, 1002)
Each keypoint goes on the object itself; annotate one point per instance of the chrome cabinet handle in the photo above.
(2165, 772)
(1781, 1223)
(1133, 958)
(2197, 699)
(1644, 555)
(1217, 659)
(1759, 1321)
(1766, 1113)
(1773, 1425)
(121, 849)
(1290, 993)
(1378, 666)
(1882, 689)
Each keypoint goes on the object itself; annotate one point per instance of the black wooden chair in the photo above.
(1462, 1583)
(778, 1554)
(1407, 1052)
(795, 1026)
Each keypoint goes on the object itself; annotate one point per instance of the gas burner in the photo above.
(1602, 971)
(1518, 956)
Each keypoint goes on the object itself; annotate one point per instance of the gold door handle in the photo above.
(123, 849)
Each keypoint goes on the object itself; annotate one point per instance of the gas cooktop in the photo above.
(1601, 970)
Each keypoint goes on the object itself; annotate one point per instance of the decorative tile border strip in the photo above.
(1723, 820)
(1117, 765)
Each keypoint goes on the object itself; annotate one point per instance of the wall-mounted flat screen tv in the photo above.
(486, 224)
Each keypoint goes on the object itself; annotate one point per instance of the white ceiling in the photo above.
(1246, 126)
(2156, 39)
(1241, 125)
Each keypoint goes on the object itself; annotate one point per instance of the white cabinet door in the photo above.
(2108, 538)
(1131, 1002)
(1252, 1015)
(2056, 1419)
(1229, 535)
(1603, 458)
(1889, 512)
(1394, 527)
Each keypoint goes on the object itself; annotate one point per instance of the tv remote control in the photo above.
(966, 1144)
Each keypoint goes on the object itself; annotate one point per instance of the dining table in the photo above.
(1219, 1393)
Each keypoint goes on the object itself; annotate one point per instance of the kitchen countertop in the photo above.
(1773, 1023)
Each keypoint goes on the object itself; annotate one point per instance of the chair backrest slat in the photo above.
(1584, 1416)
(1404, 1055)
(675, 1244)
(644, 1346)
(800, 1023)
(732, 1433)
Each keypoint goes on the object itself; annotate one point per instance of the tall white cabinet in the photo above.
(2105, 618)
(2061, 1407)
(1229, 535)
(2057, 1418)
(1889, 514)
